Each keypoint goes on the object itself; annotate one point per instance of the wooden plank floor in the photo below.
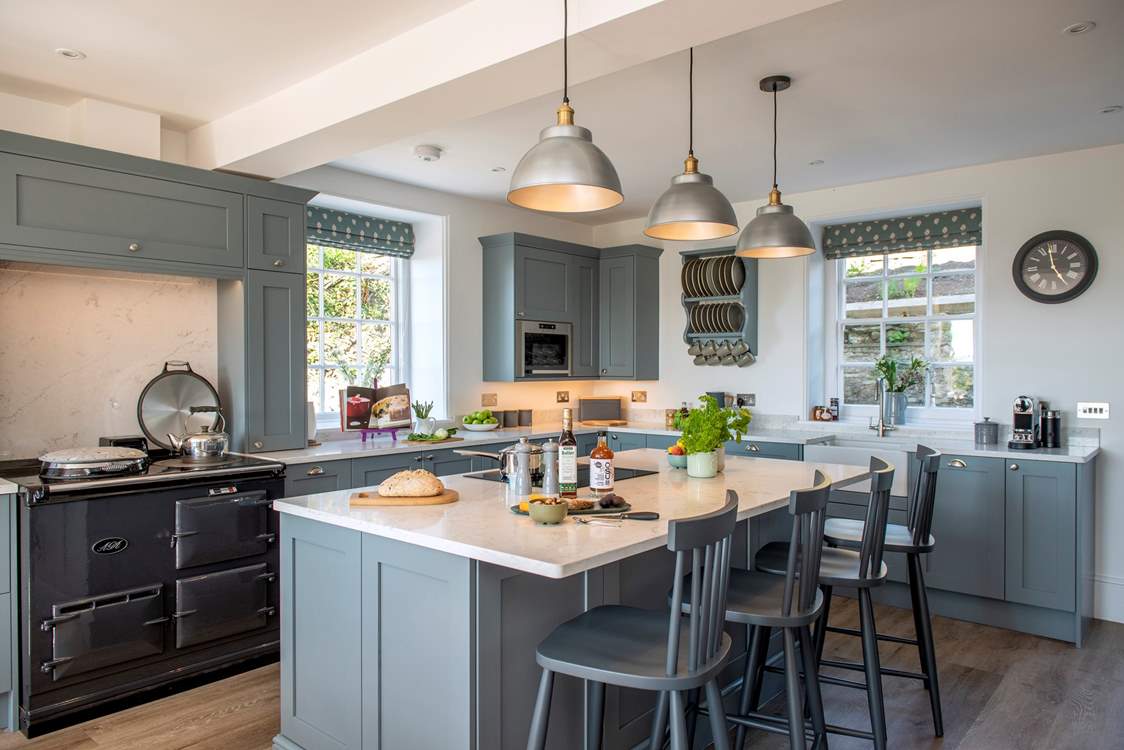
(1001, 691)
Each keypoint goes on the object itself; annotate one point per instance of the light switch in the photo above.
(562, 397)
(488, 399)
(1092, 410)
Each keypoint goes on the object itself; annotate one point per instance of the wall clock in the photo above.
(1055, 266)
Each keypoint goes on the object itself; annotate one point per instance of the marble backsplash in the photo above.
(78, 345)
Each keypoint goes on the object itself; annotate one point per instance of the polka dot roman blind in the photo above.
(356, 232)
(924, 231)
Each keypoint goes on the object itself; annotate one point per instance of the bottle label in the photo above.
(601, 473)
(567, 468)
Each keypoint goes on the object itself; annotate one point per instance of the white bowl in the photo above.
(479, 427)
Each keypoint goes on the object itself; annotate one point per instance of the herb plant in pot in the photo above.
(424, 424)
(898, 378)
(705, 431)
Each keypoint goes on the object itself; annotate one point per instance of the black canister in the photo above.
(1053, 429)
(987, 432)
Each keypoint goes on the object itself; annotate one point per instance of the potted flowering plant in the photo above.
(705, 431)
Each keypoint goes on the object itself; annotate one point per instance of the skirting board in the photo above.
(1108, 598)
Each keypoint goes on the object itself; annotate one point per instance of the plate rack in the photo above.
(736, 347)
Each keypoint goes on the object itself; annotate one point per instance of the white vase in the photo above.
(426, 426)
(702, 465)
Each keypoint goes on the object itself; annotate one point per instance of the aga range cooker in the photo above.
(133, 582)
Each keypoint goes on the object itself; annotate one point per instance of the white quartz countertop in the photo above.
(481, 526)
(8, 488)
(330, 450)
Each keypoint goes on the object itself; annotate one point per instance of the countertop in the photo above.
(330, 450)
(481, 527)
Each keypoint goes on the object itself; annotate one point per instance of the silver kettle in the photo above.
(207, 443)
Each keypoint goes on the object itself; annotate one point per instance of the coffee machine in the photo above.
(1024, 436)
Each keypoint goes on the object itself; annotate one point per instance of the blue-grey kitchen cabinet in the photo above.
(660, 442)
(586, 306)
(275, 235)
(1041, 533)
(763, 449)
(367, 472)
(9, 612)
(318, 476)
(627, 441)
(544, 285)
(629, 313)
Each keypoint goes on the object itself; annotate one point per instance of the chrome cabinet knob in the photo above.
(278, 263)
(1013, 467)
(258, 444)
(134, 247)
(604, 371)
(315, 471)
(956, 463)
(419, 459)
(753, 448)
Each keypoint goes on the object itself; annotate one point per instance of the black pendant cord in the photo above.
(774, 137)
(691, 103)
(565, 52)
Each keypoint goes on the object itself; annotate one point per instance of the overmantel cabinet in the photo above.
(65, 204)
(609, 296)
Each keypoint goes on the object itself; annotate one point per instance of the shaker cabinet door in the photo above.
(618, 317)
(585, 303)
(1041, 534)
(275, 234)
(543, 285)
(275, 361)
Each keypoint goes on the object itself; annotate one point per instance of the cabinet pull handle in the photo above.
(956, 463)
(258, 444)
(1013, 467)
(429, 458)
(134, 247)
(185, 613)
(754, 448)
(156, 621)
(419, 459)
(50, 622)
(47, 666)
(278, 263)
(315, 471)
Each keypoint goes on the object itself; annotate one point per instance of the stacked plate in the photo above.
(720, 276)
(717, 317)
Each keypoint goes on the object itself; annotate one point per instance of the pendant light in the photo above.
(564, 171)
(692, 208)
(776, 232)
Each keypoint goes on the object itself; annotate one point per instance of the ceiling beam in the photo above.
(483, 56)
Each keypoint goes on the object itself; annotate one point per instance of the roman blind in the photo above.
(366, 234)
(923, 231)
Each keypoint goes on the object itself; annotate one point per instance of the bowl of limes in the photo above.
(480, 421)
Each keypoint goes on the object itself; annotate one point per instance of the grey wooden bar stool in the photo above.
(763, 602)
(913, 540)
(646, 649)
(863, 570)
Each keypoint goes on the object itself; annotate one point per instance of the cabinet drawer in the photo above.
(760, 449)
(63, 206)
(367, 472)
(308, 479)
(445, 462)
(275, 234)
(626, 441)
(660, 441)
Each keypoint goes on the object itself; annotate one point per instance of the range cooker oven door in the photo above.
(101, 631)
(219, 605)
(221, 527)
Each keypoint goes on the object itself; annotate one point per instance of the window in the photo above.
(912, 303)
(355, 332)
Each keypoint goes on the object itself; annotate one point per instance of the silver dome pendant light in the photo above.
(564, 171)
(692, 208)
(776, 232)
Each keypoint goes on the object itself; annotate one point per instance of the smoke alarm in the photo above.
(427, 153)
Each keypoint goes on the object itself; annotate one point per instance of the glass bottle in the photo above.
(601, 466)
(567, 457)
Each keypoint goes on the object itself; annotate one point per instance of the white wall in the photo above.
(1060, 353)
(466, 219)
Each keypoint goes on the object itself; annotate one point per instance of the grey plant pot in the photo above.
(894, 408)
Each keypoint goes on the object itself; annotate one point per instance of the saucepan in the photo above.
(506, 459)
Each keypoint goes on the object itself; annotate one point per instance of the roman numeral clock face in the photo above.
(1055, 266)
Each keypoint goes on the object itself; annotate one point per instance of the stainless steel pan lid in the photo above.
(81, 463)
(165, 403)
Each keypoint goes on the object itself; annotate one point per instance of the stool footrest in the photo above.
(779, 725)
(829, 679)
(887, 671)
(881, 636)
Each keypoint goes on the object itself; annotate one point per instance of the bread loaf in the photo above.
(414, 483)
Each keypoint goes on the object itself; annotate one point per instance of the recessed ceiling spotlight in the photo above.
(427, 152)
(1112, 110)
(815, 162)
(71, 54)
(499, 169)
(1081, 27)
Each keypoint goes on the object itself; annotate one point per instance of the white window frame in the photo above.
(925, 413)
(399, 366)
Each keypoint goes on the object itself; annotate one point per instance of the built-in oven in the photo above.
(544, 349)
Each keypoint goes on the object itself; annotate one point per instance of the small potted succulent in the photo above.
(424, 424)
(897, 378)
(705, 432)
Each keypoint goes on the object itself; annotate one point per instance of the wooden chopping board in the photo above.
(371, 499)
(433, 442)
(604, 422)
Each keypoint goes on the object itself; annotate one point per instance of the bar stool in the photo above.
(862, 570)
(914, 539)
(645, 649)
(762, 602)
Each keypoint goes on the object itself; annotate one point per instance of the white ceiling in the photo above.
(881, 88)
(190, 60)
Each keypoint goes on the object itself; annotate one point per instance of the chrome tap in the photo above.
(881, 425)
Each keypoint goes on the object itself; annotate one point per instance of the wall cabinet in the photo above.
(275, 235)
(610, 297)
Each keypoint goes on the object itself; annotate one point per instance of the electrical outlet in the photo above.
(1092, 410)
(639, 397)
(489, 399)
(746, 399)
(562, 397)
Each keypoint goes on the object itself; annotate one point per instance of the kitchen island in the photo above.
(416, 627)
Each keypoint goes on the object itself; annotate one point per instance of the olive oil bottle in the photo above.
(567, 457)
